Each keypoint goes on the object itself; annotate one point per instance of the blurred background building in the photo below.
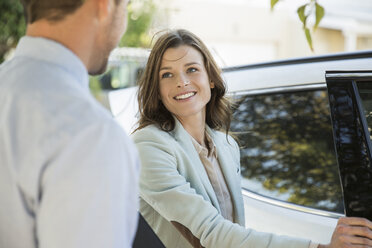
(237, 32)
(247, 31)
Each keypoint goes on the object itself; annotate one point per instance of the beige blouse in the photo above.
(216, 177)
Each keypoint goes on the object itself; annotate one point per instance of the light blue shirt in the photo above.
(68, 172)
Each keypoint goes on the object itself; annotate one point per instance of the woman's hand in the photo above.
(351, 232)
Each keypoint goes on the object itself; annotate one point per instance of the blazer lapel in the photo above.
(229, 170)
(184, 139)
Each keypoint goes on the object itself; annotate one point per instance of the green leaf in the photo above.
(12, 25)
(273, 3)
(140, 14)
(308, 38)
(319, 14)
(301, 14)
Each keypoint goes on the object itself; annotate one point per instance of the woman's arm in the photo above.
(175, 199)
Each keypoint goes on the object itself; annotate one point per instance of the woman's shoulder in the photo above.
(152, 139)
(223, 137)
(150, 133)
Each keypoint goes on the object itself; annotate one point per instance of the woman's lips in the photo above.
(184, 96)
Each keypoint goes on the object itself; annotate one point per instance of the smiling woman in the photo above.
(185, 88)
(198, 61)
(190, 189)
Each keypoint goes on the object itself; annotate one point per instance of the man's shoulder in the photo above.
(84, 113)
(47, 89)
(33, 73)
(55, 103)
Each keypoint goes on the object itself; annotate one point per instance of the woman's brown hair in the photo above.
(153, 111)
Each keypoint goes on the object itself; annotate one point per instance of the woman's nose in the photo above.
(182, 81)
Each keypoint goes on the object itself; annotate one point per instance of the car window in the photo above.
(287, 149)
(365, 92)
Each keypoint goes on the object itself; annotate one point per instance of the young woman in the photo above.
(190, 191)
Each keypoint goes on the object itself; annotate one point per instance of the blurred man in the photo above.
(68, 173)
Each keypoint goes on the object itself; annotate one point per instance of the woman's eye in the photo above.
(166, 75)
(191, 69)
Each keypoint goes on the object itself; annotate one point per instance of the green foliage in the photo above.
(301, 14)
(319, 14)
(12, 25)
(312, 8)
(308, 38)
(140, 14)
(95, 87)
(273, 2)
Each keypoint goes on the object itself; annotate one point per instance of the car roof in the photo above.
(293, 72)
(257, 78)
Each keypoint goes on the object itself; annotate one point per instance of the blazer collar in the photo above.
(230, 171)
(184, 139)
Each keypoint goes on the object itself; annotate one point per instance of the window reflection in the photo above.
(365, 92)
(287, 149)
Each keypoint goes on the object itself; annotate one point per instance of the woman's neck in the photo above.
(195, 127)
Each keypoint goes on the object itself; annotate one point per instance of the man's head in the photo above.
(90, 28)
(112, 29)
(51, 10)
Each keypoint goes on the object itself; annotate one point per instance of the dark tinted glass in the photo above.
(365, 92)
(287, 149)
(351, 134)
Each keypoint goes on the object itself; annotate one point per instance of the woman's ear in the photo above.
(211, 84)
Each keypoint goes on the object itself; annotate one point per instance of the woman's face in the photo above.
(185, 88)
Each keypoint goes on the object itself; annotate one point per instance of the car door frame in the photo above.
(353, 145)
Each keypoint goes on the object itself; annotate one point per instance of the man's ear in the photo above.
(104, 8)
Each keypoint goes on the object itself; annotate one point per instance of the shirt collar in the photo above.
(53, 52)
(201, 150)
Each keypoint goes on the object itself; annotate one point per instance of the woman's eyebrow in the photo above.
(191, 63)
(165, 68)
(188, 64)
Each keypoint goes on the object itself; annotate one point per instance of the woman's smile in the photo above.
(185, 96)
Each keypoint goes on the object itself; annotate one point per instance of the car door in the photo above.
(350, 98)
(290, 181)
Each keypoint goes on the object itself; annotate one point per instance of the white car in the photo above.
(290, 178)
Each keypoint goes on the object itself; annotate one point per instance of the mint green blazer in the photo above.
(174, 186)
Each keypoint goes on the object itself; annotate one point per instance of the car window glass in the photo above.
(287, 149)
(365, 92)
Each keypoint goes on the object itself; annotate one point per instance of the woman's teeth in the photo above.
(184, 96)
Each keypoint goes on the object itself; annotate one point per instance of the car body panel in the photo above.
(124, 107)
(293, 72)
(283, 219)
